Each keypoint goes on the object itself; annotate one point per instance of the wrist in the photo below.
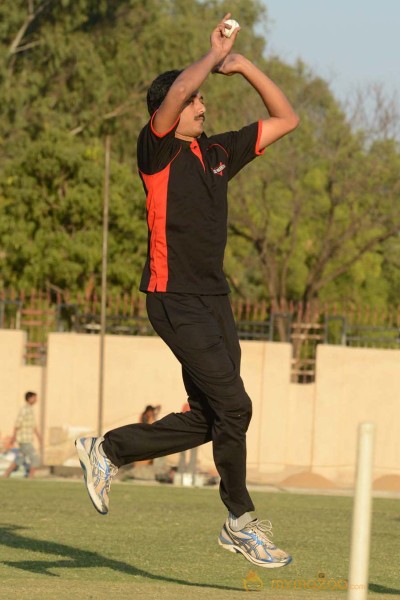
(217, 55)
(244, 65)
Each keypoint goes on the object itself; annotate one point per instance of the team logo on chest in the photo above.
(219, 170)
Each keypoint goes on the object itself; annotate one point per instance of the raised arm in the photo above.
(282, 119)
(190, 80)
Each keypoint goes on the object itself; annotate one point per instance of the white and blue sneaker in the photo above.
(98, 471)
(253, 543)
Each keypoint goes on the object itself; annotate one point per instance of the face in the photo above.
(192, 118)
(32, 400)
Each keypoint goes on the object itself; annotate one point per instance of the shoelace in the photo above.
(113, 471)
(263, 527)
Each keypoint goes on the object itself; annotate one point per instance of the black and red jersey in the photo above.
(186, 186)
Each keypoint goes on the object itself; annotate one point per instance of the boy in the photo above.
(24, 430)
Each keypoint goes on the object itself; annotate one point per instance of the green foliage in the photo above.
(317, 217)
(51, 225)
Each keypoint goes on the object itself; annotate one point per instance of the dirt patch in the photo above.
(308, 480)
(387, 483)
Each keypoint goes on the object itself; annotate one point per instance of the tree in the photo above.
(51, 225)
(316, 218)
(316, 211)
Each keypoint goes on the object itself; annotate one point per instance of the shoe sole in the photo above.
(237, 549)
(86, 468)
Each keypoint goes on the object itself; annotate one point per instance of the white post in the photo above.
(361, 525)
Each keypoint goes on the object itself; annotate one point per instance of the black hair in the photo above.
(159, 89)
(29, 395)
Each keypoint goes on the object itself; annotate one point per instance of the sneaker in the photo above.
(253, 543)
(97, 470)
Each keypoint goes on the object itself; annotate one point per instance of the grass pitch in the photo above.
(160, 542)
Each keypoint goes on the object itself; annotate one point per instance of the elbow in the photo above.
(293, 122)
(181, 92)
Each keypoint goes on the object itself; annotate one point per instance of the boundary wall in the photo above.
(300, 434)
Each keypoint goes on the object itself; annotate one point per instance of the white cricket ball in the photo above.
(234, 25)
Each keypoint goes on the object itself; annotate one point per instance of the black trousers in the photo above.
(201, 332)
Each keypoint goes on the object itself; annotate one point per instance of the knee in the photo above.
(247, 410)
(240, 414)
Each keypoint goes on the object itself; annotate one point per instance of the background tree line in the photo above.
(317, 217)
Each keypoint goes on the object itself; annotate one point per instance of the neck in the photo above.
(186, 138)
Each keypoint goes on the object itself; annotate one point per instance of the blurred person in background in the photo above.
(24, 431)
(148, 417)
(150, 414)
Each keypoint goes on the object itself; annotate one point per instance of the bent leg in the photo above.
(174, 433)
(203, 337)
(13, 467)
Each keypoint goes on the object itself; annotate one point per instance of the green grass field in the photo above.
(160, 542)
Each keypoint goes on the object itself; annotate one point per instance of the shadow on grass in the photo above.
(382, 589)
(76, 558)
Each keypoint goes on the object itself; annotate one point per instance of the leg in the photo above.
(18, 462)
(30, 453)
(13, 467)
(202, 334)
(174, 433)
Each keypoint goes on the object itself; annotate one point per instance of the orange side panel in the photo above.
(157, 189)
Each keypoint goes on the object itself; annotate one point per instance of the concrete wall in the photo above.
(299, 434)
(355, 385)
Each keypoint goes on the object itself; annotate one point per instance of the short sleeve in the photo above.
(241, 146)
(154, 150)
